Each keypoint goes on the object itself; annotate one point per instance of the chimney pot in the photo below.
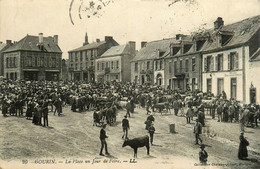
(218, 23)
(97, 40)
(56, 39)
(132, 47)
(143, 43)
(108, 38)
(40, 37)
(8, 42)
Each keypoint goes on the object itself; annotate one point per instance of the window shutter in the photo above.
(228, 61)
(216, 63)
(237, 61)
(205, 65)
(212, 63)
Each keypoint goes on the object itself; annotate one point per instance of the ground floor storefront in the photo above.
(82, 76)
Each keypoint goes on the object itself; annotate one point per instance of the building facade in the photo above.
(82, 59)
(143, 66)
(33, 58)
(3, 46)
(226, 59)
(114, 65)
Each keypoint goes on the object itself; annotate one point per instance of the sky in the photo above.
(125, 20)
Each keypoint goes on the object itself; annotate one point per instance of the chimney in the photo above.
(8, 42)
(218, 23)
(143, 43)
(56, 39)
(108, 38)
(179, 36)
(132, 47)
(97, 40)
(40, 37)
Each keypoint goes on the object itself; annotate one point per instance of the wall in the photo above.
(227, 74)
(17, 68)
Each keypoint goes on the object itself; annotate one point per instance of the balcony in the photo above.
(179, 72)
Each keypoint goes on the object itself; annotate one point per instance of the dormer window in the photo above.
(225, 37)
(161, 53)
(199, 44)
(186, 47)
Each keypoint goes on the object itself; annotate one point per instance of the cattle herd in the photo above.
(105, 99)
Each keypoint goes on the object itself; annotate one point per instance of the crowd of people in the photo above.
(37, 98)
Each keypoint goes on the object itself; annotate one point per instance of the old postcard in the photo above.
(129, 84)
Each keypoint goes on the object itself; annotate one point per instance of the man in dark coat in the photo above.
(203, 155)
(242, 151)
(103, 137)
(151, 131)
(197, 131)
(126, 127)
(176, 106)
(45, 113)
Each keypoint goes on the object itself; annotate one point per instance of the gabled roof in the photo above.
(242, 32)
(117, 50)
(89, 46)
(30, 43)
(150, 50)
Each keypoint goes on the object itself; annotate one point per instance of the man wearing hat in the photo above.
(103, 137)
(203, 155)
(197, 131)
(151, 131)
(125, 125)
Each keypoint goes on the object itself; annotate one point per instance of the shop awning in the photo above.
(31, 70)
(52, 70)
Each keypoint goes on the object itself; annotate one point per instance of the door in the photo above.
(220, 86)
(209, 85)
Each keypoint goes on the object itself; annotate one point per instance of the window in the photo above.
(106, 64)
(161, 64)
(233, 60)
(175, 50)
(199, 44)
(81, 66)
(136, 79)
(175, 66)
(92, 63)
(186, 65)
(170, 67)
(112, 65)
(97, 66)
(76, 57)
(219, 62)
(116, 77)
(39, 62)
(81, 57)
(136, 67)
(117, 64)
(148, 65)
(193, 64)
(76, 66)
(29, 61)
(208, 64)
(180, 65)
(7, 62)
(161, 53)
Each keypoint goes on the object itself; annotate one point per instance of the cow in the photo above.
(136, 143)
(162, 106)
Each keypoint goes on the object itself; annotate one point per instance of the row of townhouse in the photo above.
(224, 58)
(101, 61)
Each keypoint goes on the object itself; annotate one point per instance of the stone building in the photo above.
(143, 66)
(82, 59)
(3, 46)
(33, 58)
(183, 64)
(230, 61)
(114, 64)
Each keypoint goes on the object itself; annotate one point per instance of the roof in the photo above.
(117, 50)
(89, 46)
(30, 43)
(242, 32)
(2, 46)
(256, 55)
(149, 51)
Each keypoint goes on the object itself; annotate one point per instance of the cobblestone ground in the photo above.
(73, 136)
